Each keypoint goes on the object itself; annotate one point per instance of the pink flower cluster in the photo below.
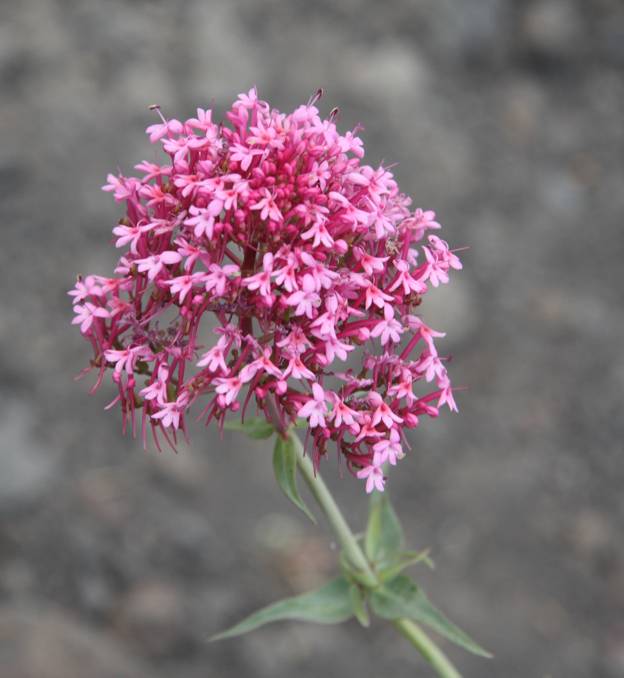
(307, 264)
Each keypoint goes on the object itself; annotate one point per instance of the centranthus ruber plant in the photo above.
(307, 266)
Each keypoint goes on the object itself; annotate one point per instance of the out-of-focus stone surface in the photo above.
(506, 118)
(48, 643)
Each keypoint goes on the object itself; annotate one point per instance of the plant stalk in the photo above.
(417, 637)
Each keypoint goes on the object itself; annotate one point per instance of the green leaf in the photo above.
(285, 468)
(405, 559)
(384, 535)
(359, 605)
(400, 597)
(330, 604)
(256, 427)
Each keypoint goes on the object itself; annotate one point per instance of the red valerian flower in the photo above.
(305, 257)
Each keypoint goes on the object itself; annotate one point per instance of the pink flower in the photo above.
(261, 364)
(125, 359)
(383, 412)
(229, 388)
(374, 478)
(375, 296)
(214, 359)
(388, 450)
(165, 128)
(183, 284)
(270, 228)
(267, 207)
(128, 234)
(86, 313)
(306, 300)
(388, 329)
(202, 220)
(154, 265)
(217, 278)
(262, 281)
(157, 390)
(315, 409)
(319, 232)
(343, 414)
(90, 286)
(169, 414)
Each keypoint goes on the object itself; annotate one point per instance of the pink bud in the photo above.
(341, 246)
(410, 420)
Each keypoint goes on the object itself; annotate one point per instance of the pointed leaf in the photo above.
(285, 468)
(384, 534)
(330, 604)
(255, 427)
(402, 598)
(359, 605)
(405, 559)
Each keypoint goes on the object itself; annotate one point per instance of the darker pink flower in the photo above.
(301, 255)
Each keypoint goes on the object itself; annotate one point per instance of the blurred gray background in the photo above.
(507, 119)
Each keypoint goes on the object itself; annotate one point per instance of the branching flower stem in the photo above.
(417, 637)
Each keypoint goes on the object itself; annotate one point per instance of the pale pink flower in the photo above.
(268, 208)
(157, 390)
(306, 300)
(170, 413)
(342, 413)
(376, 296)
(184, 284)
(125, 359)
(214, 359)
(315, 409)
(388, 450)
(261, 364)
(388, 329)
(383, 412)
(374, 478)
(218, 277)
(154, 265)
(83, 289)
(86, 313)
(202, 220)
(261, 281)
(229, 388)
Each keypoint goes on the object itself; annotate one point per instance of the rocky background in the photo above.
(507, 119)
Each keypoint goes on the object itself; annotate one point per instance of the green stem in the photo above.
(429, 650)
(419, 639)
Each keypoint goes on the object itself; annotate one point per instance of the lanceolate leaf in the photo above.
(255, 427)
(402, 598)
(330, 604)
(384, 535)
(403, 560)
(285, 468)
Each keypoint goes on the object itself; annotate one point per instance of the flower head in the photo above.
(273, 226)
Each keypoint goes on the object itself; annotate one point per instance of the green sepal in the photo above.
(331, 604)
(400, 597)
(384, 535)
(256, 427)
(285, 469)
(358, 601)
(389, 571)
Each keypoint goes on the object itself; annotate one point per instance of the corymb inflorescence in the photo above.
(311, 265)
